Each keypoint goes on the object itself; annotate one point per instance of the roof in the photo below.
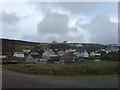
(35, 56)
(19, 52)
(26, 49)
(67, 56)
(50, 52)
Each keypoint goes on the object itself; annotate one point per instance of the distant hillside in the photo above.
(11, 46)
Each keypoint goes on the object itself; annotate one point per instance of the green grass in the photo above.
(94, 68)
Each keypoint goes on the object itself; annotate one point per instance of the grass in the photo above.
(90, 69)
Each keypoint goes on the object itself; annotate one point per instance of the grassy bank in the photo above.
(95, 68)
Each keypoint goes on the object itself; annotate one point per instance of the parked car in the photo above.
(96, 60)
(79, 59)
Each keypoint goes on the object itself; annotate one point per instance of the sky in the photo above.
(80, 22)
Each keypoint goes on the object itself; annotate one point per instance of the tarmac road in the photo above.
(17, 80)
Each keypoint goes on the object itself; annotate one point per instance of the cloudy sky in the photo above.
(88, 22)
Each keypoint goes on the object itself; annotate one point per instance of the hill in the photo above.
(10, 46)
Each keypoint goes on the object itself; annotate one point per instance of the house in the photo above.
(99, 50)
(70, 50)
(18, 54)
(84, 54)
(61, 53)
(36, 58)
(54, 41)
(110, 49)
(34, 53)
(77, 54)
(67, 56)
(3, 56)
(79, 45)
(49, 53)
(64, 42)
(94, 54)
(32, 58)
(26, 50)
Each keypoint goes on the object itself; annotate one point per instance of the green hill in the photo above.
(11, 46)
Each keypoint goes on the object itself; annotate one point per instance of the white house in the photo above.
(94, 54)
(61, 53)
(77, 54)
(70, 50)
(26, 50)
(18, 54)
(84, 54)
(49, 53)
(79, 45)
(3, 56)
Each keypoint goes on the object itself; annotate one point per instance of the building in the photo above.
(64, 42)
(61, 53)
(3, 56)
(49, 53)
(84, 54)
(18, 54)
(54, 41)
(36, 58)
(26, 50)
(79, 45)
(94, 54)
(67, 56)
(70, 50)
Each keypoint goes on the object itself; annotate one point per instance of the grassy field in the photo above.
(91, 68)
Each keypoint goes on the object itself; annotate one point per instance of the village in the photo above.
(55, 55)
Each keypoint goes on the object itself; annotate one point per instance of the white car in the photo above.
(97, 60)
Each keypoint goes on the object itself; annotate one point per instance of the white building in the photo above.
(94, 54)
(79, 45)
(84, 54)
(36, 59)
(61, 53)
(49, 53)
(70, 50)
(18, 54)
(26, 50)
(3, 56)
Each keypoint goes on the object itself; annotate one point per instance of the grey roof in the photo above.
(51, 52)
(19, 52)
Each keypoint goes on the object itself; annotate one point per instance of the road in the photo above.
(17, 80)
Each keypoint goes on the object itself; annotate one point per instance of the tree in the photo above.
(38, 49)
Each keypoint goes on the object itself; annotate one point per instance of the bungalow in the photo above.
(36, 58)
(26, 50)
(3, 56)
(79, 45)
(94, 54)
(18, 54)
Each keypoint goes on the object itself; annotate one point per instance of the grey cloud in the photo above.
(9, 24)
(53, 23)
(10, 18)
(73, 7)
(79, 7)
(102, 30)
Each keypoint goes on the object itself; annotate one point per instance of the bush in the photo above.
(94, 68)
